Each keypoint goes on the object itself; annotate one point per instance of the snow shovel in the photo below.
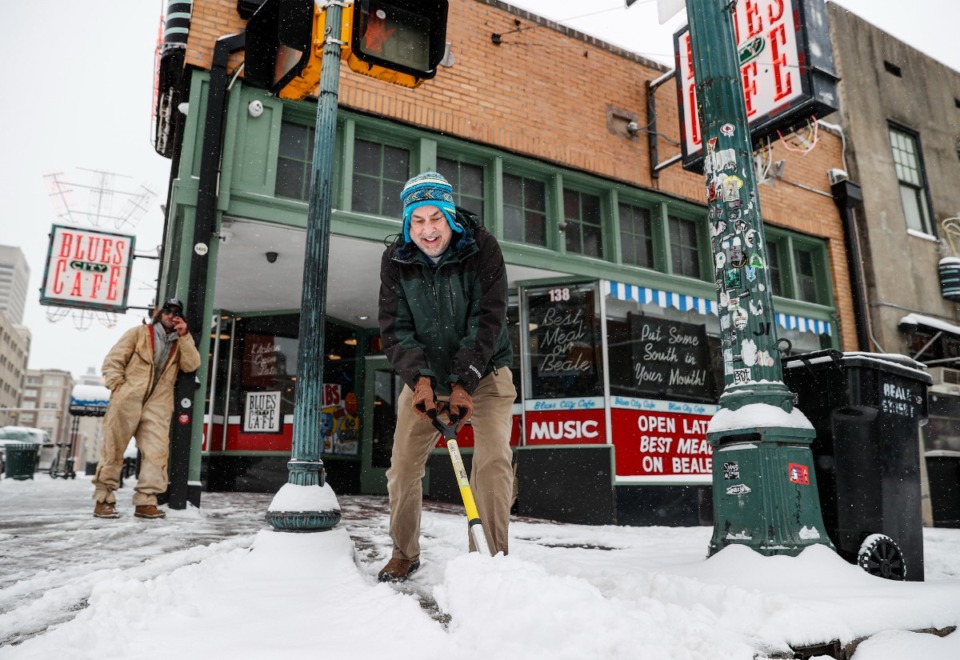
(449, 433)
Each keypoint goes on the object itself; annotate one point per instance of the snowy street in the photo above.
(216, 583)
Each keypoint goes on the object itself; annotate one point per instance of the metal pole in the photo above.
(764, 487)
(305, 466)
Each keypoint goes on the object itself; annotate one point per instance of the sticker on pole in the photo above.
(799, 474)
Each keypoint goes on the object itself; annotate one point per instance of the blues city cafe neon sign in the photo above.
(87, 269)
(786, 67)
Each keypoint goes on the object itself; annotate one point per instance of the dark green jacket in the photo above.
(446, 321)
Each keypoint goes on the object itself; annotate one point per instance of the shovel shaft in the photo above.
(473, 516)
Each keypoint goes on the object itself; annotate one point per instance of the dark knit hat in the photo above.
(428, 189)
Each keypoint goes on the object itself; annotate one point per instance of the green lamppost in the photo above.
(764, 487)
(315, 508)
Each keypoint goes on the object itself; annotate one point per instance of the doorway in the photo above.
(381, 388)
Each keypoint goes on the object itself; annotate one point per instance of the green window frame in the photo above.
(773, 268)
(798, 267)
(636, 235)
(524, 209)
(468, 181)
(807, 286)
(583, 223)
(294, 161)
(379, 172)
(912, 179)
(685, 247)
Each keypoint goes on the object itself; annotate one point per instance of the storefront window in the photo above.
(263, 390)
(660, 353)
(564, 356)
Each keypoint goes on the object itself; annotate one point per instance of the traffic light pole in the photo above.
(294, 508)
(764, 486)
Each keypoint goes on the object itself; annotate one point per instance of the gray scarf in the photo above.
(162, 343)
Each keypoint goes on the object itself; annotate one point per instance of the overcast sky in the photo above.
(79, 100)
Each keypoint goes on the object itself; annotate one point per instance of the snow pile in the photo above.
(564, 592)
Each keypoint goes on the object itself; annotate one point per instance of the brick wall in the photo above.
(544, 92)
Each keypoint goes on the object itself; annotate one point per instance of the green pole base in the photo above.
(765, 491)
(304, 508)
(303, 521)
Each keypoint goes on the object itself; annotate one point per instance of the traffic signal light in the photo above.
(397, 41)
(281, 53)
(407, 37)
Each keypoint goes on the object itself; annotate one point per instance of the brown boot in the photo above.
(149, 511)
(105, 510)
(398, 570)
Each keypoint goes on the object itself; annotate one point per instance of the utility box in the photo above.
(867, 409)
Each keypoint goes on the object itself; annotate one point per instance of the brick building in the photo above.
(544, 133)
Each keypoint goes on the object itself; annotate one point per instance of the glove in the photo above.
(424, 400)
(461, 406)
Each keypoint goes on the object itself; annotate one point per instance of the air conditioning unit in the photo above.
(836, 176)
(945, 380)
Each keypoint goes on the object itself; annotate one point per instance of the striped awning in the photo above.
(684, 303)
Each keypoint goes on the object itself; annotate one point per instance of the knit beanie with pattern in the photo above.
(428, 189)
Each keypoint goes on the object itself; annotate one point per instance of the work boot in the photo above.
(149, 511)
(398, 570)
(105, 510)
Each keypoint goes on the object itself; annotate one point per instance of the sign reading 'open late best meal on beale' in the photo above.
(87, 268)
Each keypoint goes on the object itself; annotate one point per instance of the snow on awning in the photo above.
(684, 303)
(930, 322)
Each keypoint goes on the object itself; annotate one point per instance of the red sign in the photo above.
(799, 474)
(565, 427)
(786, 64)
(655, 445)
(87, 269)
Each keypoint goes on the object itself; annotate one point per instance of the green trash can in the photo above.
(22, 460)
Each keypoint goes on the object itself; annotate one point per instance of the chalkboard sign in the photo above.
(670, 358)
(564, 356)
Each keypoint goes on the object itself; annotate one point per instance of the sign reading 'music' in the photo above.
(88, 269)
(786, 67)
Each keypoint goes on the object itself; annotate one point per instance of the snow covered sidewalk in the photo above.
(215, 583)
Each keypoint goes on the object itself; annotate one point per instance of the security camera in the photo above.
(272, 257)
(255, 108)
(633, 128)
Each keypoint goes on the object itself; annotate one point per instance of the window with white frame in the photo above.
(908, 163)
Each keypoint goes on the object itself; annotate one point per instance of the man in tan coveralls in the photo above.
(140, 371)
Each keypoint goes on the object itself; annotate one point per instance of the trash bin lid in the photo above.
(891, 363)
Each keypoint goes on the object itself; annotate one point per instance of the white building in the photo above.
(14, 276)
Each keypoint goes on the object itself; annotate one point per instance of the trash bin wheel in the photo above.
(880, 555)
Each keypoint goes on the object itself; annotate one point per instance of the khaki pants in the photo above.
(491, 473)
(151, 427)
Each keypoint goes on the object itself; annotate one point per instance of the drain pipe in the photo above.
(180, 490)
(847, 196)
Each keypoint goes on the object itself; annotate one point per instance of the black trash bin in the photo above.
(22, 460)
(943, 473)
(867, 409)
